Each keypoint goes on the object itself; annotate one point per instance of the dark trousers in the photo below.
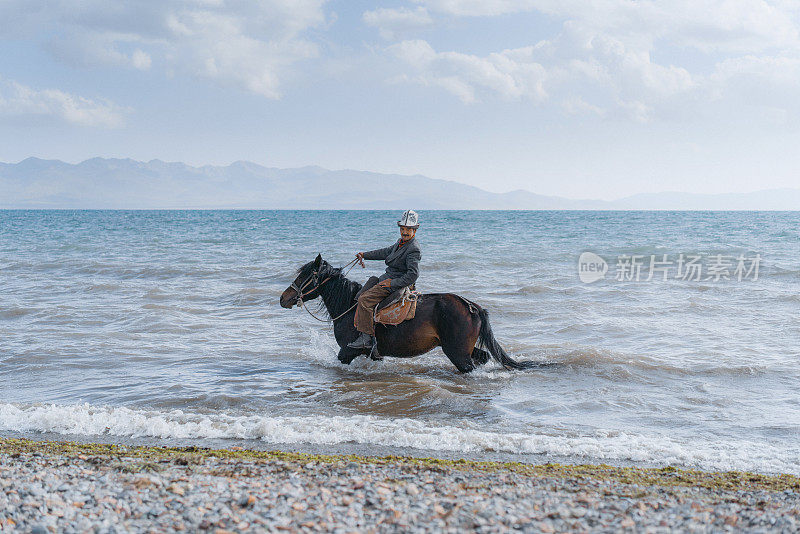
(366, 308)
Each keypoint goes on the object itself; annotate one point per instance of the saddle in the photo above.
(399, 306)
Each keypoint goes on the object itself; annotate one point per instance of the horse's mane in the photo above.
(342, 290)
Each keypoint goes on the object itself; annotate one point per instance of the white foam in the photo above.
(85, 419)
(321, 348)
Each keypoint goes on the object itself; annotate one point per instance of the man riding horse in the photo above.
(402, 269)
(457, 325)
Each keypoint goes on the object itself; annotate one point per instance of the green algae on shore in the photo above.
(149, 458)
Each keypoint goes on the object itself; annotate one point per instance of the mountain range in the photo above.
(102, 183)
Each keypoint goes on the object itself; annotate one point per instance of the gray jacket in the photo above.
(402, 263)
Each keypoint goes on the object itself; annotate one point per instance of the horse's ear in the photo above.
(318, 261)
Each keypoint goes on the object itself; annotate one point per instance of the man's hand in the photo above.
(386, 283)
(360, 258)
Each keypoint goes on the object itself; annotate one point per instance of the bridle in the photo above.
(313, 278)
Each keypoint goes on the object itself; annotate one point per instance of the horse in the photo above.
(458, 325)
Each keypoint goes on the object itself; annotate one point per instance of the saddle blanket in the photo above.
(402, 310)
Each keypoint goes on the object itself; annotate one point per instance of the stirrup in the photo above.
(361, 343)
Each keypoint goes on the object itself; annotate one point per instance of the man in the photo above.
(402, 269)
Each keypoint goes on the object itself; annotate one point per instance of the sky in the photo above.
(581, 99)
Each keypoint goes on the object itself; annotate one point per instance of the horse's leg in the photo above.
(480, 356)
(347, 355)
(458, 333)
(460, 358)
(457, 348)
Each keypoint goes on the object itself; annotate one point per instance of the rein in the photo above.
(313, 278)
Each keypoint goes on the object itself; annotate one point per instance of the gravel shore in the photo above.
(67, 487)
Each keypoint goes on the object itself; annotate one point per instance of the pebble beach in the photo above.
(68, 487)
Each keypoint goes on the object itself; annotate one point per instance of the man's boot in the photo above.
(364, 341)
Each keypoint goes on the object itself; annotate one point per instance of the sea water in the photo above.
(165, 325)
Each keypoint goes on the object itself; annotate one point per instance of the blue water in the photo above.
(167, 325)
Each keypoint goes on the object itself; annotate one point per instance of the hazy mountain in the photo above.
(767, 199)
(125, 183)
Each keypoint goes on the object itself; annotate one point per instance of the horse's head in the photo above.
(309, 279)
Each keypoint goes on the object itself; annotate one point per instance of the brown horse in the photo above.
(441, 319)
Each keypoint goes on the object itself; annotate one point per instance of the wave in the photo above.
(103, 288)
(321, 348)
(781, 272)
(131, 270)
(15, 312)
(599, 359)
(85, 419)
(523, 290)
(177, 309)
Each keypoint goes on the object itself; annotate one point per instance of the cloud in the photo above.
(708, 25)
(20, 100)
(141, 60)
(728, 26)
(236, 43)
(602, 68)
(638, 59)
(480, 8)
(771, 83)
(391, 22)
(575, 105)
(512, 74)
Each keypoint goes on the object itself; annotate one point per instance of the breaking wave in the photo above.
(85, 419)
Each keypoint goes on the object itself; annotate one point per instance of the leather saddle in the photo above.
(399, 306)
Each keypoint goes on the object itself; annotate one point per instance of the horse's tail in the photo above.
(487, 341)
